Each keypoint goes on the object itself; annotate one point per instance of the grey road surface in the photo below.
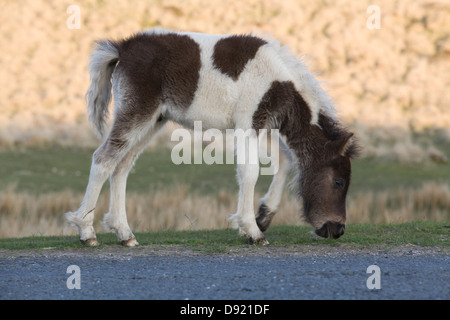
(316, 273)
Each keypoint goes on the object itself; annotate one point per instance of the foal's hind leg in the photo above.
(104, 161)
(116, 219)
(271, 201)
(120, 141)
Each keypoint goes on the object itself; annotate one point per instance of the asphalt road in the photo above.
(324, 273)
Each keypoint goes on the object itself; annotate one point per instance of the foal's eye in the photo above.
(339, 183)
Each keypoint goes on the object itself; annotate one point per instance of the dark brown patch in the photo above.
(157, 68)
(283, 108)
(231, 54)
(163, 66)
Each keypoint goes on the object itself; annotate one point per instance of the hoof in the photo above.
(261, 241)
(264, 217)
(92, 242)
(129, 243)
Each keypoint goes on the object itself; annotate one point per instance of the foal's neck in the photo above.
(308, 144)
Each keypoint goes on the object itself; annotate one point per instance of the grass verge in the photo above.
(416, 233)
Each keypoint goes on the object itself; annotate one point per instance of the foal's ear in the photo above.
(350, 147)
(346, 144)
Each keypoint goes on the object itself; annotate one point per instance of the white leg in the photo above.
(248, 173)
(271, 201)
(101, 168)
(124, 136)
(116, 219)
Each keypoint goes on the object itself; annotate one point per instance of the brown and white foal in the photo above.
(227, 82)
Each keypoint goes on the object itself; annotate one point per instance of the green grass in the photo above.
(41, 170)
(369, 174)
(213, 241)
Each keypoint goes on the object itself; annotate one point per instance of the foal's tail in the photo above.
(101, 67)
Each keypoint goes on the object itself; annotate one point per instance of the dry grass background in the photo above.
(388, 85)
(25, 214)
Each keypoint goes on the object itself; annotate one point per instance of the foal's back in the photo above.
(187, 77)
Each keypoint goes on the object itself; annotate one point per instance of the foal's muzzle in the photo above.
(331, 230)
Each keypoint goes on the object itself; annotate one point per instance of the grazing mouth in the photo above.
(331, 230)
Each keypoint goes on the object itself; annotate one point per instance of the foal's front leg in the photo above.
(271, 201)
(248, 173)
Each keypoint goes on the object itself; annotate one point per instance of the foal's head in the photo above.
(324, 182)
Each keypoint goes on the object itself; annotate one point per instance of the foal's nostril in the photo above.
(323, 231)
(331, 230)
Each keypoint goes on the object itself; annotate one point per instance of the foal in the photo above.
(227, 82)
